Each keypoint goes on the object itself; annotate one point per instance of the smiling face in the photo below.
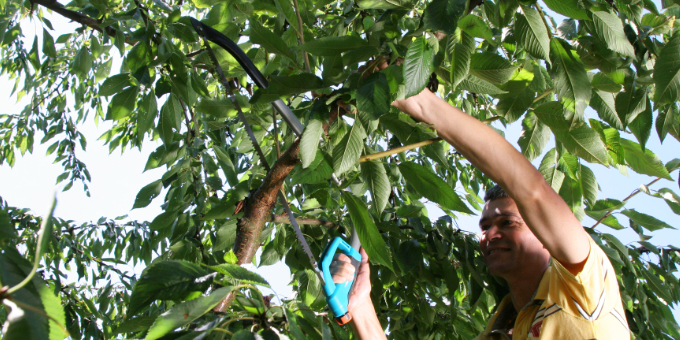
(508, 245)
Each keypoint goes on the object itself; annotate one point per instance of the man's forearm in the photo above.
(365, 323)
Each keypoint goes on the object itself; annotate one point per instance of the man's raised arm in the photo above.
(543, 210)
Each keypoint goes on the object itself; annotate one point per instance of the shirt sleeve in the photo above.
(587, 292)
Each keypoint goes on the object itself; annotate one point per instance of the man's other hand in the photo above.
(342, 270)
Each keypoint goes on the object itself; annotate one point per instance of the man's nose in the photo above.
(493, 233)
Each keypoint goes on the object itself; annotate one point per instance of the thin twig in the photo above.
(276, 134)
(301, 36)
(544, 94)
(635, 192)
(411, 146)
(398, 150)
(307, 221)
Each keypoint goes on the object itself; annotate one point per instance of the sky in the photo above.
(116, 179)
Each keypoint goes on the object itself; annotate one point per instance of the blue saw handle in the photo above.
(337, 295)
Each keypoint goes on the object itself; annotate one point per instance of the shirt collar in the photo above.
(507, 313)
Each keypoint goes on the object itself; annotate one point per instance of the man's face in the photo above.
(508, 245)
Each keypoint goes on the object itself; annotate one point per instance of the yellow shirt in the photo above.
(585, 306)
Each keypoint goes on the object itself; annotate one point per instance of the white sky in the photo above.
(116, 179)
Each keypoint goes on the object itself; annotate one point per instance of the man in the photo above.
(562, 286)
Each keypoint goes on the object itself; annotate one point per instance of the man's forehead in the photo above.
(498, 208)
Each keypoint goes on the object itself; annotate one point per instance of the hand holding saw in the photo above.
(337, 295)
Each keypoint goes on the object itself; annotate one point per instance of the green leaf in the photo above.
(82, 63)
(531, 33)
(138, 56)
(370, 238)
(239, 273)
(135, 325)
(479, 86)
(568, 8)
(270, 41)
(429, 185)
(185, 313)
(48, 45)
(643, 162)
(171, 117)
(535, 136)
(114, 84)
(460, 51)
(442, 15)
(671, 198)
(348, 151)
(7, 230)
(650, 223)
(373, 97)
(572, 194)
(226, 164)
(571, 80)
(218, 108)
(475, 26)
(319, 171)
(668, 80)
(605, 206)
(288, 85)
(589, 185)
(550, 170)
(293, 324)
(641, 126)
(604, 83)
(27, 324)
(629, 104)
(384, 4)
(122, 104)
(330, 46)
(167, 280)
(609, 28)
(657, 286)
(409, 257)
(309, 142)
(147, 194)
(668, 121)
(582, 141)
(375, 177)
(418, 66)
(513, 108)
(225, 235)
(491, 67)
(146, 113)
(286, 7)
(604, 104)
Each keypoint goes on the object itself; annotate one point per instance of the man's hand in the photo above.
(342, 270)
(364, 319)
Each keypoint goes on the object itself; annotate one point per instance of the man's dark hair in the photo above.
(495, 192)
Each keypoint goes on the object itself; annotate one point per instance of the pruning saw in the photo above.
(337, 295)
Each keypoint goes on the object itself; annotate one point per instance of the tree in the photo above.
(338, 65)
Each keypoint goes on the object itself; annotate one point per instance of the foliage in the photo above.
(339, 65)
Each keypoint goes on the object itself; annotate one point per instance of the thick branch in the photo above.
(258, 212)
(75, 16)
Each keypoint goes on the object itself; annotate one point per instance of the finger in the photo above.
(341, 257)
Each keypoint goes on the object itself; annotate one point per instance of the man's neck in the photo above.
(523, 286)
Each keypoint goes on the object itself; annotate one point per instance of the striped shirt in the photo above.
(566, 306)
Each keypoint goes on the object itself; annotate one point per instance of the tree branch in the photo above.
(635, 192)
(283, 218)
(301, 35)
(54, 6)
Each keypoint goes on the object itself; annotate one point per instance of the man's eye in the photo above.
(508, 222)
(485, 227)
